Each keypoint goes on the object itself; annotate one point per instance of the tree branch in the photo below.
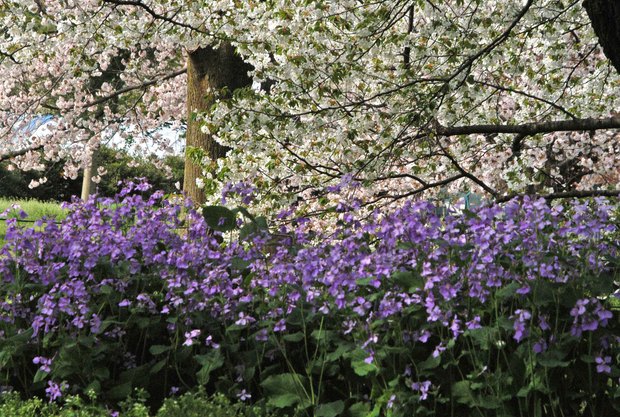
(10, 155)
(153, 13)
(529, 129)
(135, 87)
(564, 194)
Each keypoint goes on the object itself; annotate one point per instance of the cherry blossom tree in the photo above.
(402, 97)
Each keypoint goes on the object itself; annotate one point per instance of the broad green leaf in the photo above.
(158, 366)
(359, 410)
(408, 280)
(332, 409)
(39, 376)
(158, 349)
(294, 337)
(462, 391)
(220, 218)
(210, 362)
(120, 392)
(507, 291)
(430, 363)
(285, 390)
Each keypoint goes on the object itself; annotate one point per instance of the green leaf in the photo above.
(489, 402)
(430, 363)
(239, 264)
(255, 225)
(294, 337)
(283, 400)
(483, 336)
(285, 390)
(106, 289)
(543, 293)
(22, 337)
(261, 222)
(408, 280)
(210, 362)
(220, 218)
(552, 359)
(508, 291)
(158, 349)
(332, 409)
(101, 374)
(462, 391)
(359, 410)
(358, 362)
(158, 366)
(120, 392)
(94, 386)
(247, 230)
(39, 376)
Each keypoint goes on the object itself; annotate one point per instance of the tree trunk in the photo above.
(208, 72)
(605, 19)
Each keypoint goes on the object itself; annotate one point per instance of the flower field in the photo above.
(502, 311)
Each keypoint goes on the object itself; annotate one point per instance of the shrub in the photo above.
(197, 405)
(504, 311)
(118, 164)
(187, 405)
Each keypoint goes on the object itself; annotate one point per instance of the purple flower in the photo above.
(244, 320)
(422, 388)
(209, 342)
(280, 326)
(520, 325)
(244, 395)
(473, 324)
(438, 350)
(190, 336)
(54, 391)
(580, 308)
(540, 346)
(603, 364)
(45, 363)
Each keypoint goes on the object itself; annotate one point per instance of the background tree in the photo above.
(498, 98)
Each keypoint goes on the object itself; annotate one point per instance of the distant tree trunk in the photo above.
(208, 72)
(87, 181)
(605, 19)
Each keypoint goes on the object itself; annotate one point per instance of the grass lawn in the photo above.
(35, 210)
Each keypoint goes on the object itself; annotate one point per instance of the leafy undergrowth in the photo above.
(187, 405)
(502, 311)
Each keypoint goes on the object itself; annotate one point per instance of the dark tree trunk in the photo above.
(605, 19)
(208, 72)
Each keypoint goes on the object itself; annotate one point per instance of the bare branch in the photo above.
(564, 194)
(529, 129)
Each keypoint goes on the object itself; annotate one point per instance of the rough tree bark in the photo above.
(208, 72)
(605, 18)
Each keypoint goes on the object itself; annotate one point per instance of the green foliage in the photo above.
(14, 184)
(119, 165)
(196, 404)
